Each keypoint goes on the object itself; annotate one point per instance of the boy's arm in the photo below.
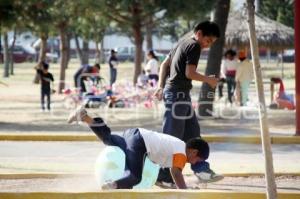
(164, 67)
(178, 177)
(191, 73)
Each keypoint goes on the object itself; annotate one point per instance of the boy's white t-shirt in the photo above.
(165, 150)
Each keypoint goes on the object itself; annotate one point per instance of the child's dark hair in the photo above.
(97, 66)
(208, 28)
(230, 52)
(199, 144)
(45, 65)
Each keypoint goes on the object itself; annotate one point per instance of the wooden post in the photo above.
(263, 117)
(297, 63)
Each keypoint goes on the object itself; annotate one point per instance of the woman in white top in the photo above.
(228, 70)
(151, 67)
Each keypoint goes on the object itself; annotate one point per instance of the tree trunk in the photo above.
(6, 55)
(103, 58)
(68, 43)
(98, 53)
(207, 94)
(85, 51)
(138, 40)
(63, 58)
(263, 115)
(12, 53)
(78, 49)
(149, 28)
(42, 54)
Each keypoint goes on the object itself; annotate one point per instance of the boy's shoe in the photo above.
(77, 115)
(208, 176)
(165, 185)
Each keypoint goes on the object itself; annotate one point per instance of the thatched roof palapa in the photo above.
(270, 34)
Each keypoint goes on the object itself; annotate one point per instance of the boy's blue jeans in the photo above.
(132, 144)
(180, 121)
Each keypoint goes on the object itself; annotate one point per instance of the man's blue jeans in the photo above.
(180, 121)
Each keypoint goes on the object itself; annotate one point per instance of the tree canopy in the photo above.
(278, 10)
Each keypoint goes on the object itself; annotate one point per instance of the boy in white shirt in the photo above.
(165, 150)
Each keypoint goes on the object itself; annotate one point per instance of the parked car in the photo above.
(287, 56)
(125, 53)
(20, 54)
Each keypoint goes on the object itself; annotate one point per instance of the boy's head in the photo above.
(206, 33)
(197, 150)
(45, 66)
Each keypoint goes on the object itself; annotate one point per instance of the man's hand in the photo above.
(158, 93)
(212, 81)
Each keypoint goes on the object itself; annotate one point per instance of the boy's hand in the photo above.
(158, 93)
(178, 177)
(109, 185)
(212, 81)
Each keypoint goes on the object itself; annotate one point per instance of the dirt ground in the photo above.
(88, 184)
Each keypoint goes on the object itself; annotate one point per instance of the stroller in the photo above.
(95, 96)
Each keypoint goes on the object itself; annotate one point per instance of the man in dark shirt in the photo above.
(179, 118)
(83, 72)
(45, 78)
(113, 63)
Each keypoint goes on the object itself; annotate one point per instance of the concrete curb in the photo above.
(12, 176)
(90, 137)
(146, 194)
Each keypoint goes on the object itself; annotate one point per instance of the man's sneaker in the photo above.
(165, 185)
(208, 176)
(77, 115)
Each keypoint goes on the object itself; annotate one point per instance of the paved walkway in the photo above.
(79, 157)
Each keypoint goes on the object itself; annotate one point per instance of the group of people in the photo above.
(237, 74)
(180, 141)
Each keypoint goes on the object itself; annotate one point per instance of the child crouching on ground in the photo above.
(165, 150)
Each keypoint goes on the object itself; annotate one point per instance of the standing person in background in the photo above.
(179, 118)
(151, 67)
(113, 64)
(244, 76)
(228, 71)
(46, 79)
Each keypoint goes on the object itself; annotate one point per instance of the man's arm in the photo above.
(178, 177)
(164, 68)
(191, 73)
